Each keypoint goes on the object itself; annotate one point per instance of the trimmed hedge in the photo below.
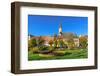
(59, 53)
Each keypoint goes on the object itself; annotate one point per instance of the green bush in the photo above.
(35, 50)
(59, 53)
(32, 43)
(45, 55)
(70, 44)
(43, 48)
(51, 49)
(83, 42)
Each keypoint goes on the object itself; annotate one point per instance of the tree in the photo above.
(40, 41)
(55, 43)
(55, 40)
(61, 43)
(71, 44)
(32, 43)
(83, 42)
(29, 45)
(50, 43)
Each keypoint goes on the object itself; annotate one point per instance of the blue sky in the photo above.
(43, 25)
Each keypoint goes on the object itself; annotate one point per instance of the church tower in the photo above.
(60, 30)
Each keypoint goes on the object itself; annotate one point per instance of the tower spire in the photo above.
(60, 29)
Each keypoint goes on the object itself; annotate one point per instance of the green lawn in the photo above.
(69, 54)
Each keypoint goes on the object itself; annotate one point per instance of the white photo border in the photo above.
(25, 64)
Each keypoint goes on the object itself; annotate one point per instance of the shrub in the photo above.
(43, 48)
(71, 44)
(32, 43)
(51, 43)
(51, 48)
(46, 55)
(30, 48)
(40, 41)
(35, 50)
(83, 42)
(59, 53)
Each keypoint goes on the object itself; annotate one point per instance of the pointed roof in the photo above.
(60, 26)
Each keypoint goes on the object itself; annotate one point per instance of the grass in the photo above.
(68, 54)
